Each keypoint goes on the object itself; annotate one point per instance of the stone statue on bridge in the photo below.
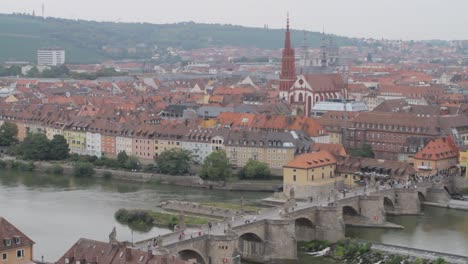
(242, 204)
(292, 194)
(181, 226)
(113, 236)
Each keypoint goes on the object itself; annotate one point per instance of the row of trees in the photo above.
(39, 147)
(216, 166)
(8, 133)
(63, 72)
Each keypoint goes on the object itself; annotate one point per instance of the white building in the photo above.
(124, 144)
(93, 144)
(321, 108)
(50, 57)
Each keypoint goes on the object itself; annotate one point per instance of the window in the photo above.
(5, 256)
(17, 240)
(8, 242)
(323, 175)
(20, 253)
(294, 177)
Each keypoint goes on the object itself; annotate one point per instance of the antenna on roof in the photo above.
(43, 11)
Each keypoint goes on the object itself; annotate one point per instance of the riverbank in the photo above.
(142, 177)
(359, 251)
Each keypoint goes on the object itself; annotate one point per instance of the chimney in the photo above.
(128, 254)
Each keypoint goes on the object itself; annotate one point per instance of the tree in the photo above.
(365, 151)
(131, 163)
(59, 149)
(35, 147)
(83, 169)
(174, 161)
(8, 134)
(255, 170)
(122, 157)
(33, 72)
(216, 167)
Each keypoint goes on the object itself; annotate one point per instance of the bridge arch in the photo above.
(251, 246)
(350, 211)
(305, 229)
(191, 254)
(388, 205)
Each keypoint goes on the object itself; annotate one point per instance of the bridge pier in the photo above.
(280, 241)
(434, 195)
(330, 224)
(371, 207)
(406, 202)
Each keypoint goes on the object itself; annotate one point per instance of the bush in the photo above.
(315, 245)
(57, 169)
(83, 169)
(22, 166)
(107, 175)
(3, 164)
(465, 191)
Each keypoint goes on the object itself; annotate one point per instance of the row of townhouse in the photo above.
(97, 137)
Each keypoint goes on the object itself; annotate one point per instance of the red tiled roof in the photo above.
(438, 149)
(312, 160)
(9, 231)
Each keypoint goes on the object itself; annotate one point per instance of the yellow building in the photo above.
(76, 141)
(463, 162)
(15, 247)
(440, 155)
(312, 175)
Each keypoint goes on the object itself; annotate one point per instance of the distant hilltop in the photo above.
(90, 41)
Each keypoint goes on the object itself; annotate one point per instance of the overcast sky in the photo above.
(395, 19)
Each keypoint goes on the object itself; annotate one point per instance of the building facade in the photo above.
(50, 57)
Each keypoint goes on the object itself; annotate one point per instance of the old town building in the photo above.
(15, 247)
(440, 155)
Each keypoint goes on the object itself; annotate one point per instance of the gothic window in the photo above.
(301, 97)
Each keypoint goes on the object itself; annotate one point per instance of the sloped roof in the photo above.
(9, 231)
(312, 160)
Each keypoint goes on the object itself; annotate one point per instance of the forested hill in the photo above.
(22, 35)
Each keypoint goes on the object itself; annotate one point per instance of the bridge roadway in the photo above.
(268, 214)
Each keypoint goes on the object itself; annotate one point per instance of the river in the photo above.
(55, 211)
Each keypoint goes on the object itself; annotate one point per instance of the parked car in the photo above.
(457, 196)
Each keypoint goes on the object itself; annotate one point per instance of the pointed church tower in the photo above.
(288, 67)
(323, 52)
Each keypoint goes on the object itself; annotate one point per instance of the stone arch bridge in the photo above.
(273, 236)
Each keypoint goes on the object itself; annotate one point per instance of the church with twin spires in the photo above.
(303, 91)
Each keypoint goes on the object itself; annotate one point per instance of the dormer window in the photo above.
(7, 242)
(17, 240)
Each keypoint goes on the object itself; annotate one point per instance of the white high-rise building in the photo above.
(50, 57)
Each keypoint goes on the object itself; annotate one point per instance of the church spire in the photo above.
(287, 39)
(288, 66)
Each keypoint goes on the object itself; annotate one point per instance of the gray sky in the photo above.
(395, 19)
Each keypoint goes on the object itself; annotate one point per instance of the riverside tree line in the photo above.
(37, 147)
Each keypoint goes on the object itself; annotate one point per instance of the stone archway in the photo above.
(251, 246)
(350, 214)
(191, 255)
(388, 205)
(305, 229)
